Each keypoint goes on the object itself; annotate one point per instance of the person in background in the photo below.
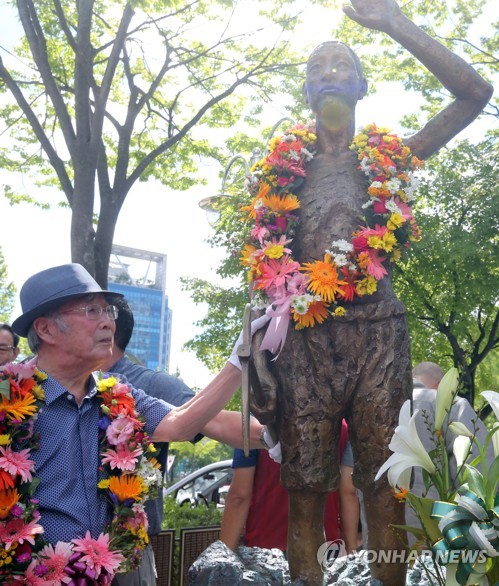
(256, 506)
(9, 342)
(224, 427)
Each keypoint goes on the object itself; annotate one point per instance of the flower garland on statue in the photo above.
(131, 477)
(314, 291)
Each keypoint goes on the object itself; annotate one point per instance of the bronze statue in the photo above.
(357, 366)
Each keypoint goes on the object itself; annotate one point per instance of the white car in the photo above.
(207, 485)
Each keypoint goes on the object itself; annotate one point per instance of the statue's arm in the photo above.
(470, 90)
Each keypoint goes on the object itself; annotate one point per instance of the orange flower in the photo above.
(323, 277)
(8, 498)
(281, 205)
(126, 487)
(246, 255)
(317, 313)
(19, 407)
(256, 202)
(6, 480)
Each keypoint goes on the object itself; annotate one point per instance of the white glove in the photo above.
(256, 324)
(275, 453)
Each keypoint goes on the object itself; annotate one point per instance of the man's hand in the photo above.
(374, 14)
(257, 324)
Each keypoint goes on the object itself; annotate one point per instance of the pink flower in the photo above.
(140, 518)
(120, 389)
(259, 233)
(18, 530)
(405, 210)
(376, 268)
(55, 560)
(120, 430)
(276, 272)
(297, 284)
(31, 577)
(123, 458)
(20, 371)
(96, 553)
(17, 463)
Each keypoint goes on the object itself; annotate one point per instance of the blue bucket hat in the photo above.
(49, 289)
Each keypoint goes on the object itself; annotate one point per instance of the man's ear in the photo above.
(363, 88)
(16, 353)
(44, 328)
(304, 92)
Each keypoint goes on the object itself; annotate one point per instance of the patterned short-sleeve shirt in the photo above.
(67, 461)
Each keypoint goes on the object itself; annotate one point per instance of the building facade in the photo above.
(140, 276)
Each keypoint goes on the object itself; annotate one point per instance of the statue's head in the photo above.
(333, 70)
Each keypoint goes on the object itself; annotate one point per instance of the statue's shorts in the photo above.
(356, 367)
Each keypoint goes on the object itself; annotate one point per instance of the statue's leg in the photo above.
(310, 425)
(384, 385)
(305, 535)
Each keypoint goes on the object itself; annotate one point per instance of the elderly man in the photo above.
(9, 342)
(70, 323)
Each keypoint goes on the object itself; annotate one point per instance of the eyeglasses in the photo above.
(7, 348)
(94, 311)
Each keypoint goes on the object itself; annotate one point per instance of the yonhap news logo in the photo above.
(330, 551)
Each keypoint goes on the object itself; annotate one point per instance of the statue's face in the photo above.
(331, 73)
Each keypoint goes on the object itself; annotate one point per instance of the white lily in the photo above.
(493, 400)
(408, 451)
(461, 449)
(460, 429)
(445, 396)
(495, 439)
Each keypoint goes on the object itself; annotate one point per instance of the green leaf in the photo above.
(476, 481)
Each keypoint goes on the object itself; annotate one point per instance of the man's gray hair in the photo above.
(34, 341)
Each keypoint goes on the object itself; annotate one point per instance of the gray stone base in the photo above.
(219, 566)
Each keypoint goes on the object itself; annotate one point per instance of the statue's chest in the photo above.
(330, 204)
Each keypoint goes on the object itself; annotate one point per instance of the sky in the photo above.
(157, 219)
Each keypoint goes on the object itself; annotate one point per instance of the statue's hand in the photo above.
(263, 396)
(374, 14)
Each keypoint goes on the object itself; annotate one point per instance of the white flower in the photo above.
(493, 400)
(495, 439)
(343, 245)
(460, 429)
(392, 207)
(364, 165)
(300, 303)
(307, 154)
(393, 185)
(408, 451)
(445, 396)
(340, 260)
(409, 192)
(461, 449)
(376, 184)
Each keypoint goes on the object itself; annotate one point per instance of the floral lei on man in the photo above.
(131, 477)
(314, 291)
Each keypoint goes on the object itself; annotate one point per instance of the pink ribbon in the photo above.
(277, 330)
